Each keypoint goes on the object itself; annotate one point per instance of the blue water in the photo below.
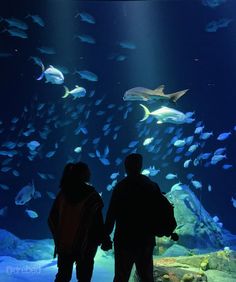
(168, 43)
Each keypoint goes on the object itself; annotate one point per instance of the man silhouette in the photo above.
(130, 211)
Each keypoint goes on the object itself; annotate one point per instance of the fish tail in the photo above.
(67, 92)
(146, 112)
(175, 96)
(42, 74)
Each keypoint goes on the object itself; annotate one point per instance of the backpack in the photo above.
(163, 223)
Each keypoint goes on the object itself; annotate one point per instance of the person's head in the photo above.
(81, 172)
(133, 164)
(74, 173)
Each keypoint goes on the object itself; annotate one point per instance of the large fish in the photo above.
(145, 94)
(167, 115)
(52, 75)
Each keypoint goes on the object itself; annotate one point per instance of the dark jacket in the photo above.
(130, 210)
(76, 220)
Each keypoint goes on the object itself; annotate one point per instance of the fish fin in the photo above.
(42, 74)
(175, 96)
(146, 112)
(67, 92)
(160, 88)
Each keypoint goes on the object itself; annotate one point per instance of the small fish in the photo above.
(77, 92)
(219, 151)
(233, 200)
(46, 50)
(217, 158)
(148, 141)
(209, 188)
(177, 187)
(196, 184)
(199, 129)
(4, 187)
(223, 136)
(16, 33)
(171, 176)
(50, 154)
(205, 135)
(190, 176)
(51, 195)
(33, 145)
(36, 19)
(25, 194)
(193, 148)
(85, 17)
(118, 161)
(15, 172)
(86, 38)
(114, 175)
(36, 60)
(127, 45)
(187, 163)
(31, 213)
(12, 22)
(104, 161)
(189, 140)
(179, 143)
(133, 144)
(213, 3)
(227, 166)
(3, 211)
(77, 149)
(88, 75)
(204, 156)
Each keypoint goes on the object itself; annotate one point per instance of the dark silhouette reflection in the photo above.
(76, 223)
(134, 209)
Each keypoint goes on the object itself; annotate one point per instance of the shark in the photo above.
(145, 94)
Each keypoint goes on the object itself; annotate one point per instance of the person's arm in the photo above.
(111, 214)
(53, 220)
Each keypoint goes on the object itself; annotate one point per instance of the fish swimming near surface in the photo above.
(77, 92)
(145, 94)
(166, 115)
(52, 75)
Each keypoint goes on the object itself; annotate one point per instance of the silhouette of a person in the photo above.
(76, 223)
(129, 211)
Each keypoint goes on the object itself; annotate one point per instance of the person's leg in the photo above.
(65, 268)
(144, 264)
(124, 261)
(84, 266)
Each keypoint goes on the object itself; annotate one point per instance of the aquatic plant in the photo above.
(205, 263)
